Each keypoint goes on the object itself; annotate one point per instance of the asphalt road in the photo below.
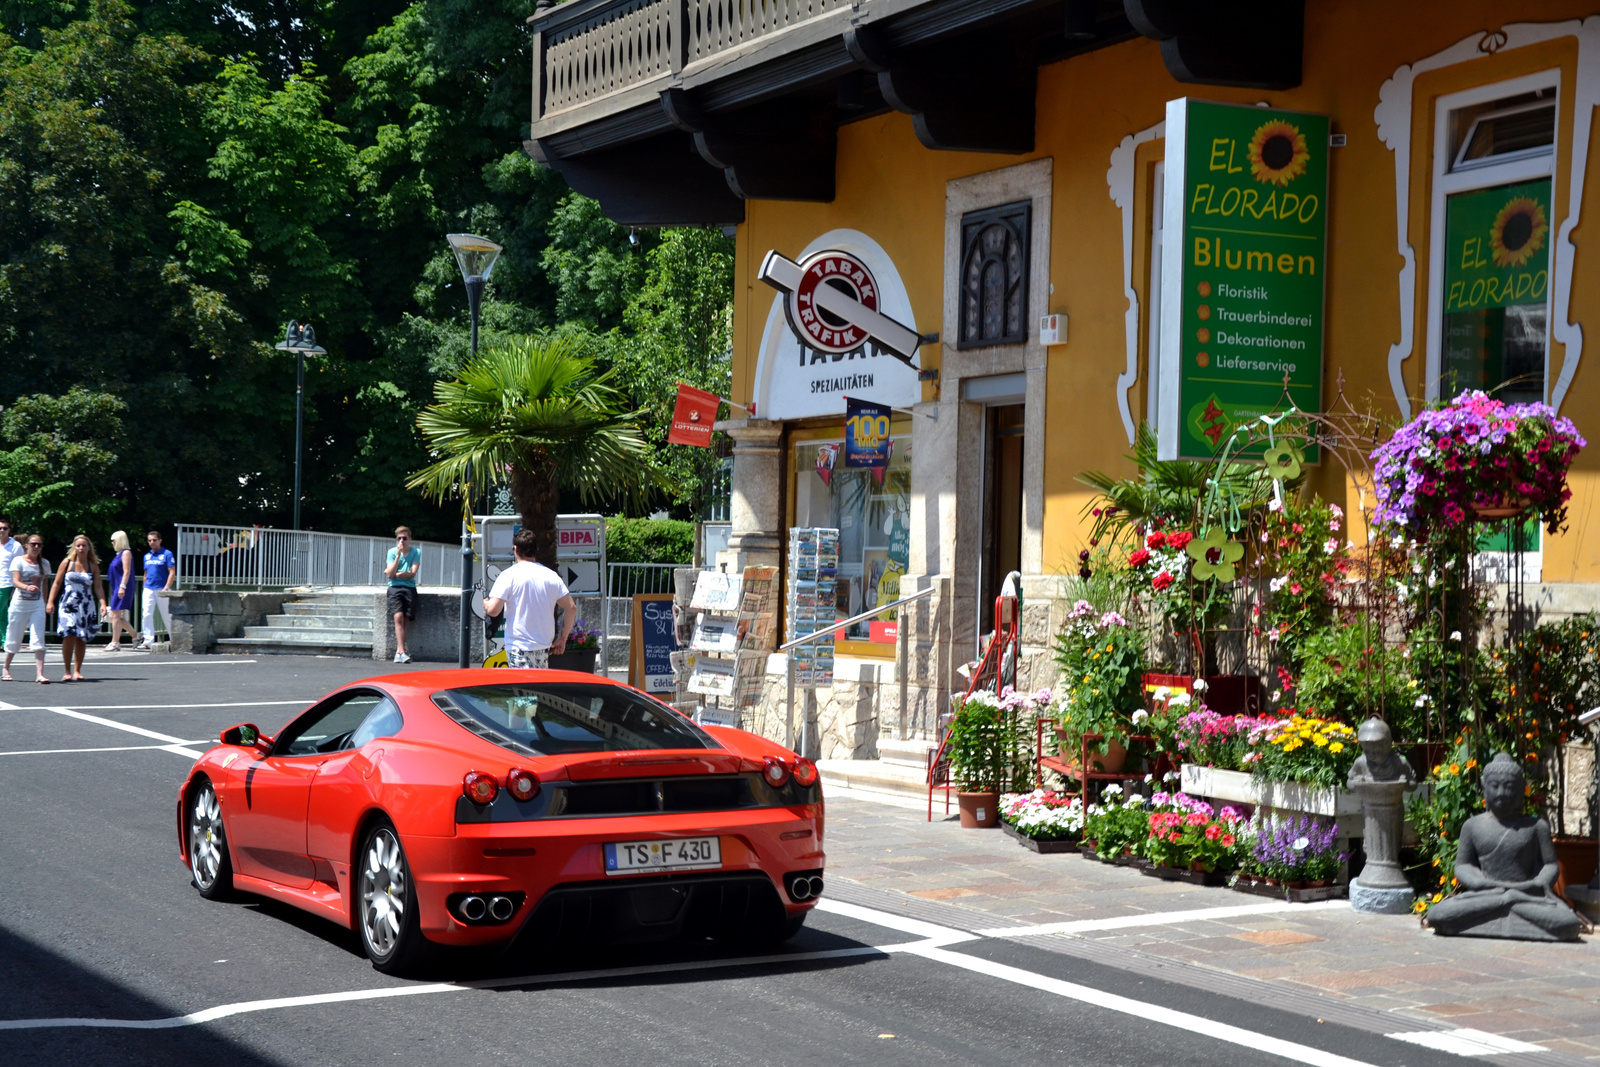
(108, 956)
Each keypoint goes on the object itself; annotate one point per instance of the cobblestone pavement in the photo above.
(1319, 959)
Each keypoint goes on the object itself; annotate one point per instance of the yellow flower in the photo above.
(1336, 748)
(1420, 906)
(1471, 763)
(1436, 861)
(1518, 232)
(1438, 897)
(1305, 733)
(1455, 768)
(1436, 767)
(1278, 153)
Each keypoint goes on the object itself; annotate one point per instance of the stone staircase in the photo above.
(901, 771)
(335, 624)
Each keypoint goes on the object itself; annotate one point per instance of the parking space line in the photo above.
(121, 748)
(175, 744)
(223, 1011)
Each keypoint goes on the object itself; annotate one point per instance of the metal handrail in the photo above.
(900, 665)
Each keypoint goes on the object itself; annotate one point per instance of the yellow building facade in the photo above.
(1427, 103)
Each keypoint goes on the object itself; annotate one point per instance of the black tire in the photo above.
(210, 865)
(386, 903)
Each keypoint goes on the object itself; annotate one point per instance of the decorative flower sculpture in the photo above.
(1214, 555)
(1283, 461)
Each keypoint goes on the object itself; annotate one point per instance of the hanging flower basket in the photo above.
(1476, 459)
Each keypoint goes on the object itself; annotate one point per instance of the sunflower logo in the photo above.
(1278, 153)
(1518, 232)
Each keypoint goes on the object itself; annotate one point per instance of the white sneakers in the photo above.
(402, 657)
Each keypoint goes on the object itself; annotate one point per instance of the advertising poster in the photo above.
(866, 434)
(1242, 271)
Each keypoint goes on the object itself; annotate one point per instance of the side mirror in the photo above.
(245, 735)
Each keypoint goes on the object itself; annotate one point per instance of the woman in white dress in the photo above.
(29, 573)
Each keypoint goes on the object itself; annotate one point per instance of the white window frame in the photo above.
(1153, 298)
(1520, 166)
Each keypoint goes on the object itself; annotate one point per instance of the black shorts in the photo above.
(403, 598)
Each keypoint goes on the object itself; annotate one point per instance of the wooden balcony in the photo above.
(676, 111)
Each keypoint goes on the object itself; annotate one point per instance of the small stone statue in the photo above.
(1379, 777)
(1506, 865)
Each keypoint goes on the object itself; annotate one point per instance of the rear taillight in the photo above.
(776, 772)
(805, 773)
(522, 785)
(479, 788)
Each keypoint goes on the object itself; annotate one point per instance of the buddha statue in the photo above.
(1506, 867)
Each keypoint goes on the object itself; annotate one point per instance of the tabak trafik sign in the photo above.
(1243, 262)
(840, 324)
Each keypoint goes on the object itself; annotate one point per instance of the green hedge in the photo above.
(649, 541)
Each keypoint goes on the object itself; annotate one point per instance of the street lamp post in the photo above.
(299, 340)
(476, 257)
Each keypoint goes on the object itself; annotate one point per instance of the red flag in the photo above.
(692, 417)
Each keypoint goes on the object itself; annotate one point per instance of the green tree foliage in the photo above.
(536, 415)
(178, 178)
(57, 479)
(649, 540)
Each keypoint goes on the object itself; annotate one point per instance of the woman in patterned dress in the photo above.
(78, 588)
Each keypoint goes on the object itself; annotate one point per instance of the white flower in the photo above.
(1331, 545)
(1277, 695)
(1423, 701)
(1200, 685)
(1134, 801)
(1139, 716)
(1455, 635)
(1275, 505)
(1338, 512)
(1273, 635)
(1162, 693)
(1180, 700)
(1403, 589)
(1113, 789)
(1277, 584)
(1149, 778)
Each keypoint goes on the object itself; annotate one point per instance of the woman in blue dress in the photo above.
(120, 580)
(77, 588)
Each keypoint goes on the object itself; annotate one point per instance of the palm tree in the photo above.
(536, 414)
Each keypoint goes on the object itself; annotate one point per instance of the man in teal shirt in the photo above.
(401, 567)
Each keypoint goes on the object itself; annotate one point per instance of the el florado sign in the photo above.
(1243, 262)
(840, 308)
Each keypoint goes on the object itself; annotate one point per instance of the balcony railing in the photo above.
(589, 49)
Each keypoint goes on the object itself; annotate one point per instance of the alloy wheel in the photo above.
(205, 837)
(383, 892)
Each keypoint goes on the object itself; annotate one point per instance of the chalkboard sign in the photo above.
(655, 638)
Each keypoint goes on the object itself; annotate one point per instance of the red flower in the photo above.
(1138, 558)
(1161, 581)
(1227, 840)
(1213, 832)
(1179, 540)
(1294, 587)
(1155, 540)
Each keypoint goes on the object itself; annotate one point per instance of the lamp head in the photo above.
(1589, 717)
(475, 255)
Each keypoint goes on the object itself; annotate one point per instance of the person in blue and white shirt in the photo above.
(160, 568)
(10, 549)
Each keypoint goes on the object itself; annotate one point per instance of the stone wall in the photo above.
(435, 634)
(846, 718)
(196, 618)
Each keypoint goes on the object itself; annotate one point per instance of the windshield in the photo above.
(558, 718)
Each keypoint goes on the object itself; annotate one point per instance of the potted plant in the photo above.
(984, 745)
(1101, 659)
(1188, 839)
(583, 645)
(1476, 458)
(1114, 827)
(1294, 855)
(1043, 820)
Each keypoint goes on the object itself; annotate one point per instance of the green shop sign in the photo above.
(1243, 261)
(1497, 249)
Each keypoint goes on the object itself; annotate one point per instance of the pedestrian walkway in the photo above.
(1321, 960)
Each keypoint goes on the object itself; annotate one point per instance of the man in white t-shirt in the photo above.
(10, 549)
(529, 593)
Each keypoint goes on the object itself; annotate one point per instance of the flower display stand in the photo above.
(1174, 874)
(1280, 798)
(1038, 845)
(1308, 895)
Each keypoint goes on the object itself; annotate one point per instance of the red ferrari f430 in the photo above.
(507, 808)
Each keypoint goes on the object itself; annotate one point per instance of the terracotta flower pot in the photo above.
(1510, 509)
(1113, 760)
(1576, 857)
(979, 811)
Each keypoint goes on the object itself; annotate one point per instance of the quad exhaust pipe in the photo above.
(803, 887)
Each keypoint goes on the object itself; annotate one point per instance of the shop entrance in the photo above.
(1002, 507)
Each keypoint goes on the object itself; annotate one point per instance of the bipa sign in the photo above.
(580, 538)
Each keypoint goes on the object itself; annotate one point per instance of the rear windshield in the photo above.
(558, 718)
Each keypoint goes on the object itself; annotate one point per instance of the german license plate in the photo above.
(675, 854)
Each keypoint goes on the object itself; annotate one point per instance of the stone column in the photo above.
(756, 514)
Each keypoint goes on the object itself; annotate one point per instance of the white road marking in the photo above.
(1195, 1024)
(1157, 918)
(122, 748)
(1467, 1042)
(935, 934)
(158, 707)
(175, 746)
(134, 661)
(224, 1011)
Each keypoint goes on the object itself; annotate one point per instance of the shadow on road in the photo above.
(41, 983)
